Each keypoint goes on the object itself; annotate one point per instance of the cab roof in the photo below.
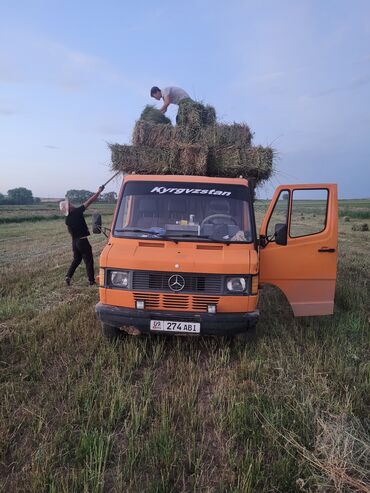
(187, 179)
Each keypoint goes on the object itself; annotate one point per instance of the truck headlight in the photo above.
(119, 279)
(236, 284)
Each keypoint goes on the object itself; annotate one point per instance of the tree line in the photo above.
(23, 196)
(80, 196)
(19, 196)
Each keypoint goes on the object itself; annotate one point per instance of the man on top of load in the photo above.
(170, 95)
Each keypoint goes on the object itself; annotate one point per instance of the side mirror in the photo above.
(281, 234)
(96, 223)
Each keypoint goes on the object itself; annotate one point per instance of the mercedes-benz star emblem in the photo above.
(176, 282)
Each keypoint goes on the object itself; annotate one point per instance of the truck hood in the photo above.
(182, 257)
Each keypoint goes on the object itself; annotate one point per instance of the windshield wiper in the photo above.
(204, 237)
(146, 231)
(137, 230)
(173, 237)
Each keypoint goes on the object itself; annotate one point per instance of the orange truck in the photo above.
(183, 255)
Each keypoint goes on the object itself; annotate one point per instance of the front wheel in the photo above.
(111, 333)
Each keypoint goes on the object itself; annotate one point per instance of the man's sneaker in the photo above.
(92, 283)
(68, 281)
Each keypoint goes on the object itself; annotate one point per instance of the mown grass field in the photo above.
(287, 412)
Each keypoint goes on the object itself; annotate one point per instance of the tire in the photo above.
(111, 333)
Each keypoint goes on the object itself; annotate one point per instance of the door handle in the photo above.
(326, 250)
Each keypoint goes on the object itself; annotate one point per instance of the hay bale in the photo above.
(222, 134)
(197, 145)
(161, 136)
(194, 114)
(192, 160)
(360, 227)
(164, 136)
(234, 161)
(219, 135)
(346, 219)
(185, 159)
(150, 134)
(151, 114)
(141, 160)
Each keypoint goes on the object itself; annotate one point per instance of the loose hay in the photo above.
(151, 114)
(209, 115)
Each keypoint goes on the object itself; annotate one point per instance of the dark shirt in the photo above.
(76, 223)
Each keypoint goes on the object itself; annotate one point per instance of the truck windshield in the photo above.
(185, 211)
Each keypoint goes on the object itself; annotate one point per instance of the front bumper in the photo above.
(220, 324)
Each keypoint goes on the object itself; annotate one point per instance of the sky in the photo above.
(74, 76)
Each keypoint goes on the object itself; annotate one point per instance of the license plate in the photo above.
(170, 326)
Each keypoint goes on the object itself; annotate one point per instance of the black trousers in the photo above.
(82, 250)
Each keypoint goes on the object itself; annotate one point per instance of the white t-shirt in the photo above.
(176, 94)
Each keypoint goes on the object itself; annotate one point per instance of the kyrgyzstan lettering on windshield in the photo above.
(191, 211)
(190, 191)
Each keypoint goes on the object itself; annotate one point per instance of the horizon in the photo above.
(74, 79)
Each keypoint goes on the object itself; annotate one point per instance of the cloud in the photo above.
(355, 84)
(365, 59)
(72, 69)
(38, 60)
(269, 76)
(7, 111)
(49, 146)
(9, 72)
(109, 129)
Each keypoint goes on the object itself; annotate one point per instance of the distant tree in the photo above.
(20, 196)
(78, 196)
(36, 200)
(4, 200)
(109, 197)
(286, 196)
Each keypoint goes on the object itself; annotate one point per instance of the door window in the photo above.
(279, 214)
(309, 208)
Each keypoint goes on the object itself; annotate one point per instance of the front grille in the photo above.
(150, 300)
(200, 303)
(181, 302)
(194, 283)
(177, 301)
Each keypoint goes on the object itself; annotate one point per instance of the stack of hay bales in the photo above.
(196, 145)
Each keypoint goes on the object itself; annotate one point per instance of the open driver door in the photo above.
(298, 246)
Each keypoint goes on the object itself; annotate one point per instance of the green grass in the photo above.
(354, 214)
(31, 219)
(287, 412)
(43, 212)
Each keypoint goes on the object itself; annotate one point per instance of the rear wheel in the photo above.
(111, 333)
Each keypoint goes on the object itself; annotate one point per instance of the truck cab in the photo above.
(183, 255)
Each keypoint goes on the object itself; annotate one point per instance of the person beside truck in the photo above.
(79, 231)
